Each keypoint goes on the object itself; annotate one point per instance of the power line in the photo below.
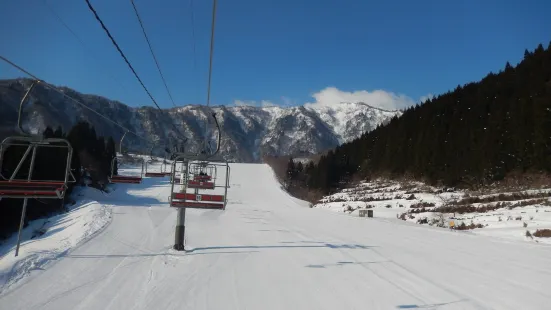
(71, 98)
(53, 12)
(211, 48)
(66, 26)
(194, 69)
(206, 144)
(120, 51)
(128, 63)
(152, 53)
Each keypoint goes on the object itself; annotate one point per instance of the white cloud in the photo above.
(266, 103)
(331, 96)
(253, 103)
(288, 102)
(240, 103)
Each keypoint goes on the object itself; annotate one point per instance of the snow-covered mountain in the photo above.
(350, 120)
(248, 132)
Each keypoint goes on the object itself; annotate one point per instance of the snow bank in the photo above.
(511, 215)
(45, 240)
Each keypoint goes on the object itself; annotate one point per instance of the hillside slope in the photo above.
(472, 136)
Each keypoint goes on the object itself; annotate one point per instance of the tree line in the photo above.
(90, 164)
(474, 135)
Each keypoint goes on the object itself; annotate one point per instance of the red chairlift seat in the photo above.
(156, 174)
(190, 200)
(29, 189)
(200, 184)
(199, 177)
(126, 179)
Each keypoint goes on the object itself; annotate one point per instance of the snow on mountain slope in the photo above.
(297, 130)
(248, 132)
(269, 251)
(350, 120)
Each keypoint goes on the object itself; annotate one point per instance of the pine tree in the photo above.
(476, 134)
(291, 169)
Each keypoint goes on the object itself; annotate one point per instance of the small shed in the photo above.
(366, 212)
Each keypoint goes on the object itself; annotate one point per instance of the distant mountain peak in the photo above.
(248, 131)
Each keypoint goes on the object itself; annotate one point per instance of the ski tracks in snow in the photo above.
(268, 251)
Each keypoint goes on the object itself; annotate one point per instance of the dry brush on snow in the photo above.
(521, 214)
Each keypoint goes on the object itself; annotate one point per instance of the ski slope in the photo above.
(270, 251)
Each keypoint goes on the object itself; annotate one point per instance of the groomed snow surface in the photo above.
(265, 251)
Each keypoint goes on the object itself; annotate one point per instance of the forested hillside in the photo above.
(478, 133)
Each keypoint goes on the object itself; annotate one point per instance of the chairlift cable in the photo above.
(193, 43)
(71, 98)
(128, 63)
(66, 26)
(209, 83)
(152, 53)
(211, 49)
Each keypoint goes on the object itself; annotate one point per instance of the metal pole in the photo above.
(180, 230)
(19, 118)
(113, 165)
(120, 143)
(21, 223)
(24, 211)
(227, 185)
(31, 146)
(68, 164)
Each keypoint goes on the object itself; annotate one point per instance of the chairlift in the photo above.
(203, 173)
(199, 166)
(126, 179)
(181, 198)
(156, 174)
(13, 187)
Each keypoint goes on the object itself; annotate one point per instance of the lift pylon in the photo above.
(193, 176)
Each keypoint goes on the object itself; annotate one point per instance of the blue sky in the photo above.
(282, 52)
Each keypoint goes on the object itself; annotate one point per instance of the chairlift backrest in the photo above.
(31, 187)
(183, 199)
(121, 178)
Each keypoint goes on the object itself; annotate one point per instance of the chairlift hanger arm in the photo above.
(21, 104)
(151, 154)
(120, 143)
(219, 134)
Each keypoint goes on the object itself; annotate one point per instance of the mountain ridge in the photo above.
(248, 132)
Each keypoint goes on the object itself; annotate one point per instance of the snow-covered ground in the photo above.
(46, 240)
(503, 214)
(270, 251)
(303, 160)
